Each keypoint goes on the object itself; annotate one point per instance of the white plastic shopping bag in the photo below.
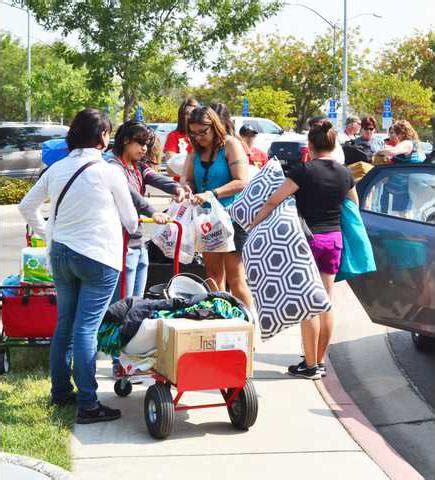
(165, 236)
(214, 230)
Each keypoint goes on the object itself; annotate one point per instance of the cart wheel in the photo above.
(5, 363)
(244, 409)
(159, 410)
(123, 387)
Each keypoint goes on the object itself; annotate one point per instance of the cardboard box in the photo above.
(177, 336)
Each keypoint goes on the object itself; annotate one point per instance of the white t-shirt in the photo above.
(91, 213)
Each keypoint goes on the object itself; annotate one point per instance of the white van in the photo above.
(268, 131)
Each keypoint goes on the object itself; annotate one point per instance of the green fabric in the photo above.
(109, 340)
(220, 307)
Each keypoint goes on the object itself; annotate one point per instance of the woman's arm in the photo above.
(187, 179)
(289, 187)
(403, 148)
(352, 195)
(123, 201)
(29, 206)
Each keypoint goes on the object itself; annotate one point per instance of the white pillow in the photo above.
(248, 203)
(281, 271)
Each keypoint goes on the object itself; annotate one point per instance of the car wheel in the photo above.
(423, 343)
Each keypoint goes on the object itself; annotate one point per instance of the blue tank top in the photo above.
(218, 173)
(416, 156)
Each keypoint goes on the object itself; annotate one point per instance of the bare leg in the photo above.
(310, 339)
(326, 319)
(236, 278)
(215, 270)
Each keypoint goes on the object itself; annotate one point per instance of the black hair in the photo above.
(317, 120)
(224, 114)
(322, 136)
(87, 128)
(133, 131)
(181, 124)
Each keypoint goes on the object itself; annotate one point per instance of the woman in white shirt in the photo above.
(85, 243)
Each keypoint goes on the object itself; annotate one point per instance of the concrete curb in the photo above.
(361, 430)
(50, 471)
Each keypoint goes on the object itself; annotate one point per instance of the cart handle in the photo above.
(123, 287)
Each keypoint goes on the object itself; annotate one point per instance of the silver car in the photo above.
(20, 146)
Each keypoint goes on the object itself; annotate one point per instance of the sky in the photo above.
(399, 20)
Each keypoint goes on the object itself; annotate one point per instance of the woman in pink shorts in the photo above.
(320, 187)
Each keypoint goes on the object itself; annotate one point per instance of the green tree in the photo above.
(308, 72)
(412, 57)
(160, 109)
(269, 103)
(410, 100)
(121, 38)
(12, 79)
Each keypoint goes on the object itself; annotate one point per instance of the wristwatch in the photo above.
(214, 192)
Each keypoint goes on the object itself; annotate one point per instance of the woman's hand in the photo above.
(180, 194)
(201, 198)
(161, 218)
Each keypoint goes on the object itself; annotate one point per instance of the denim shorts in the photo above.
(327, 248)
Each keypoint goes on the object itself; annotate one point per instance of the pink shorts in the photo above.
(327, 248)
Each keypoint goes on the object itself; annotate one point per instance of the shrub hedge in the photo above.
(12, 190)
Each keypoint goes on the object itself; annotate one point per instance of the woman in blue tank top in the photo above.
(218, 166)
(407, 149)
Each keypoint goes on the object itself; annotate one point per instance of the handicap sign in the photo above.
(138, 117)
(387, 114)
(245, 108)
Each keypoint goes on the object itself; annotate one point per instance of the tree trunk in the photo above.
(129, 101)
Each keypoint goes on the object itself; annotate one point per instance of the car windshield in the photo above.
(267, 126)
(28, 138)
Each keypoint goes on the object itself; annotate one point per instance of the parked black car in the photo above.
(289, 150)
(20, 146)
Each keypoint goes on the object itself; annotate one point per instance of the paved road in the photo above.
(418, 366)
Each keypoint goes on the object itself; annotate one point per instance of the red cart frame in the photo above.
(223, 370)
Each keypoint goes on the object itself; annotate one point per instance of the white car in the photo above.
(268, 131)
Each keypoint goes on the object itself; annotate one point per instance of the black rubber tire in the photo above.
(5, 363)
(423, 343)
(123, 388)
(244, 409)
(159, 411)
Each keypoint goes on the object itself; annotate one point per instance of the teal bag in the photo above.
(357, 256)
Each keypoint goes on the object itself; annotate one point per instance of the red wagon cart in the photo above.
(223, 370)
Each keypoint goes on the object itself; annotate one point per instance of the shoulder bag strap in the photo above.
(69, 183)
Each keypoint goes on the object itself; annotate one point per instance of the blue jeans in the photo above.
(84, 288)
(136, 271)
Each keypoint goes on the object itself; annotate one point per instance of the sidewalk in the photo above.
(296, 433)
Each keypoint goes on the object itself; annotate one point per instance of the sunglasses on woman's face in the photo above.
(200, 133)
(370, 129)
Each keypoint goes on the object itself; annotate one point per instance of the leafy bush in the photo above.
(12, 190)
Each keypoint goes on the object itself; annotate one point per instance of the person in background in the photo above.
(353, 126)
(218, 166)
(178, 140)
(392, 140)
(367, 135)
(255, 156)
(337, 154)
(154, 154)
(405, 144)
(132, 140)
(85, 244)
(320, 187)
(224, 114)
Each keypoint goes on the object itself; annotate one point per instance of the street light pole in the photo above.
(29, 71)
(344, 92)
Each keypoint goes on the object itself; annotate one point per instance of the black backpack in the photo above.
(357, 153)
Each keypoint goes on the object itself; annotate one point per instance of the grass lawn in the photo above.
(28, 425)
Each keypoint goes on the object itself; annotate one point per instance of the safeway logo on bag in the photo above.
(206, 227)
